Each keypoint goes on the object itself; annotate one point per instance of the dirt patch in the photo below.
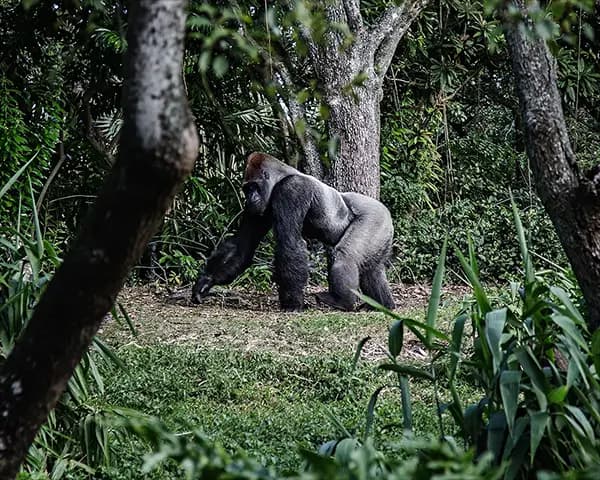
(251, 321)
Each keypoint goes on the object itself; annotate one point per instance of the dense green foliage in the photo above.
(450, 127)
(516, 374)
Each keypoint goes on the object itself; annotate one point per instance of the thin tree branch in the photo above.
(353, 15)
(61, 159)
(296, 112)
(389, 29)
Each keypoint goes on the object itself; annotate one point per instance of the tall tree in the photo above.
(350, 77)
(158, 149)
(354, 114)
(570, 197)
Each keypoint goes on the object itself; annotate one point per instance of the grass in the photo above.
(269, 403)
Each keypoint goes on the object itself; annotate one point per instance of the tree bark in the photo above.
(354, 107)
(354, 110)
(159, 144)
(571, 200)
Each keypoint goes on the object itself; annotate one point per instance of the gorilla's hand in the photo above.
(202, 287)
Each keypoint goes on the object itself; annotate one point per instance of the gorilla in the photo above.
(356, 229)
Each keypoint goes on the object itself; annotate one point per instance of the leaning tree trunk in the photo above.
(571, 200)
(158, 149)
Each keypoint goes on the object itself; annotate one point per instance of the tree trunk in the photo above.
(571, 200)
(158, 149)
(354, 111)
(355, 124)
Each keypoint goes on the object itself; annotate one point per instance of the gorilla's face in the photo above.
(256, 198)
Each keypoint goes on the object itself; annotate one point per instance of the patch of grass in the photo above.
(263, 403)
(334, 322)
(263, 382)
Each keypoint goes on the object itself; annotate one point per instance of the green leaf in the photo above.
(515, 436)
(517, 448)
(527, 264)
(436, 293)
(539, 420)
(34, 261)
(496, 433)
(478, 291)
(535, 374)
(581, 418)
(27, 4)
(36, 223)
(494, 326)
(510, 384)
(358, 351)
(472, 257)
(128, 320)
(303, 95)
(396, 338)
(220, 66)
(570, 329)
(407, 422)
(204, 61)
(96, 375)
(371, 411)
(572, 374)
(11, 181)
(455, 346)
(328, 448)
(108, 354)
(413, 325)
(566, 301)
(557, 395)
(456, 408)
(406, 370)
(344, 449)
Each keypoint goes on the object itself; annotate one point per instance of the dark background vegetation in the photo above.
(452, 154)
(451, 144)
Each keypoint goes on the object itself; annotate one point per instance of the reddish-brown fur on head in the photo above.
(254, 165)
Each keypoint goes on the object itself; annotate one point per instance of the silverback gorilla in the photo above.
(358, 229)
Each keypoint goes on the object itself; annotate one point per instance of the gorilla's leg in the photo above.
(374, 284)
(291, 270)
(343, 279)
(290, 203)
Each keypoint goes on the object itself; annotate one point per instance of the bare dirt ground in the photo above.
(251, 321)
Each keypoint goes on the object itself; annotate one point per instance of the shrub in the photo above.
(535, 361)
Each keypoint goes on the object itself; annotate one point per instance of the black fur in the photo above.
(233, 256)
(357, 229)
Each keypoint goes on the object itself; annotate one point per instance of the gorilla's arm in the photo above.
(232, 256)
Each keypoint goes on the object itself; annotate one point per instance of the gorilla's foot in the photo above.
(292, 308)
(327, 298)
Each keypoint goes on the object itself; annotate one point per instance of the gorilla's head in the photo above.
(257, 196)
(262, 173)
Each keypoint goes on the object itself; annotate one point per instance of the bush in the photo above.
(488, 222)
(437, 190)
(537, 366)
